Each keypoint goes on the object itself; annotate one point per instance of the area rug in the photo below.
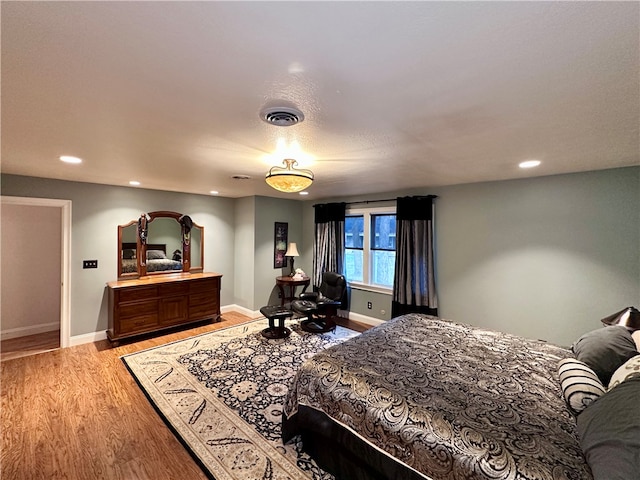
(222, 393)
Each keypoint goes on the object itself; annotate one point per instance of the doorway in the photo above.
(35, 288)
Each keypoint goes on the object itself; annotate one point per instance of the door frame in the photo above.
(65, 267)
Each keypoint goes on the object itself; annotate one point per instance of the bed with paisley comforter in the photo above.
(420, 397)
(157, 260)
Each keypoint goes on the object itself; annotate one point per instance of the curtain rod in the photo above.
(384, 200)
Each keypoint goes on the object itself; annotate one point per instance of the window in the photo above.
(354, 247)
(383, 249)
(370, 247)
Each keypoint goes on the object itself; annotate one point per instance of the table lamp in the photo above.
(628, 317)
(292, 251)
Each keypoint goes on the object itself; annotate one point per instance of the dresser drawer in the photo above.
(206, 310)
(202, 298)
(202, 286)
(137, 293)
(137, 309)
(139, 323)
(177, 288)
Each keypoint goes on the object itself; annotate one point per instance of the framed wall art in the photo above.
(281, 233)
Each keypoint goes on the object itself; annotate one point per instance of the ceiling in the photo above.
(396, 95)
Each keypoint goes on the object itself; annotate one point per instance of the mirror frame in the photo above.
(141, 247)
(135, 274)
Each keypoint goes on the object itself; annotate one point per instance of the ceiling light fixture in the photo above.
(70, 159)
(289, 179)
(529, 164)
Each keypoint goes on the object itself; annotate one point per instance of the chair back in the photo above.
(334, 286)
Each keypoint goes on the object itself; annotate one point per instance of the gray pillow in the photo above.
(605, 349)
(155, 255)
(609, 431)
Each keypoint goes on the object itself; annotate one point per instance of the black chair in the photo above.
(321, 307)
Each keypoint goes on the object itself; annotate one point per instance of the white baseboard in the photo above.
(241, 310)
(87, 338)
(360, 318)
(30, 330)
(102, 335)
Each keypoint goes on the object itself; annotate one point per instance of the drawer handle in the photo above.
(139, 322)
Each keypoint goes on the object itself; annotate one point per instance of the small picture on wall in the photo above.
(280, 244)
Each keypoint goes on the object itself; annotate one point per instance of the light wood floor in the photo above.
(76, 413)
(29, 345)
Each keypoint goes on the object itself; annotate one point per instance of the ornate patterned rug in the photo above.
(222, 392)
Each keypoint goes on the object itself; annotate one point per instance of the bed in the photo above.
(157, 260)
(420, 397)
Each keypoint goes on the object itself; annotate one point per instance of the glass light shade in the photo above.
(628, 317)
(289, 179)
(292, 251)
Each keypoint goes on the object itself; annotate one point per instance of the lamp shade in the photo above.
(289, 179)
(292, 250)
(628, 317)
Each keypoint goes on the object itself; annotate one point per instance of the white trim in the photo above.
(360, 318)
(367, 213)
(370, 288)
(391, 209)
(87, 338)
(30, 330)
(102, 334)
(244, 311)
(65, 267)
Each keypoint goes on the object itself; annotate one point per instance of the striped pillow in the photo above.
(580, 384)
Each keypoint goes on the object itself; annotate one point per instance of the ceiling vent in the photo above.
(282, 116)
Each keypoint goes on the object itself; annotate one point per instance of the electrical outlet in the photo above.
(369, 305)
(90, 264)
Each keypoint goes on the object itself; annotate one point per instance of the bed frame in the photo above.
(150, 246)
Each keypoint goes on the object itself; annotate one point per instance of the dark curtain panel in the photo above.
(414, 289)
(328, 248)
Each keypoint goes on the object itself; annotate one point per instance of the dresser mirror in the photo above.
(160, 243)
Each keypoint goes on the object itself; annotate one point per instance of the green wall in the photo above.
(541, 257)
(268, 211)
(237, 239)
(544, 257)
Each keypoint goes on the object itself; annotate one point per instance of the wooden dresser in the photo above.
(158, 302)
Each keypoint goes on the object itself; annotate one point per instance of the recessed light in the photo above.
(529, 164)
(70, 159)
(214, 192)
(304, 193)
(135, 183)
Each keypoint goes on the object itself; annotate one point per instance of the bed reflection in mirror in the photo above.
(127, 246)
(164, 245)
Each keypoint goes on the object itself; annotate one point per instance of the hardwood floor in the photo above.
(29, 345)
(76, 413)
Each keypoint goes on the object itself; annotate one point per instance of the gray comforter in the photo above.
(449, 400)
